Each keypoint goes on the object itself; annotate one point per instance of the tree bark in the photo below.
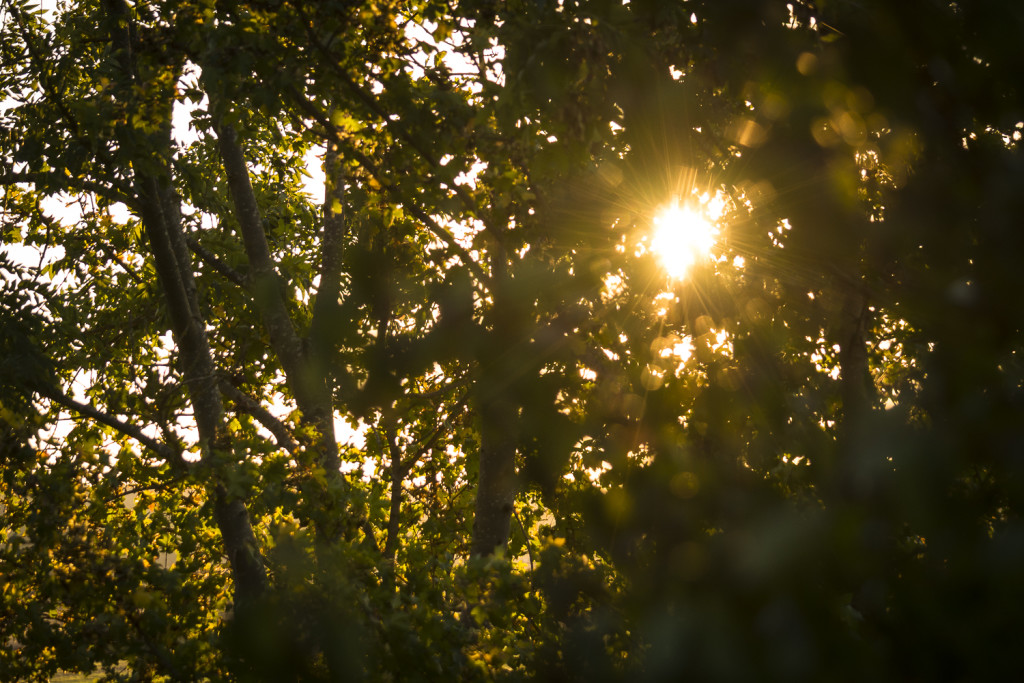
(161, 218)
(496, 482)
(499, 415)
(200, 377)
(310, 389)
(305, 371)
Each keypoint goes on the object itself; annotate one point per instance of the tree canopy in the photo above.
(336, 341)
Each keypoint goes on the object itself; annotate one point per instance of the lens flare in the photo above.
(682, 236)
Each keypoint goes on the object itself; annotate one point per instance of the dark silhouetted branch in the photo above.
(85, 410)
(249, 405)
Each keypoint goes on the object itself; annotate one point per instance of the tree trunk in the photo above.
(161, 218)
(200, 376)
(499, 416)
(303, 368)
(496, 483)
(853, 358)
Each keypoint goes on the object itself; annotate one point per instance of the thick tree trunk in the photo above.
(199, 372)
(161, 218)
(499, 415)
(303, 367)
(496, 483)
(853, 358)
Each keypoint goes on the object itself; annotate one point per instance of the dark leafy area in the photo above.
(451, 420)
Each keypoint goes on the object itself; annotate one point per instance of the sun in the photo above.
(682, 236)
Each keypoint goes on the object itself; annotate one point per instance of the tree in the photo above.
(801, 461)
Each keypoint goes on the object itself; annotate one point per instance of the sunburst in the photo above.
(682, 237)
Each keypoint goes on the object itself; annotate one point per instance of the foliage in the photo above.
(450, 420)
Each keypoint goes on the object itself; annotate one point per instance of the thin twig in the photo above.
(526, 537)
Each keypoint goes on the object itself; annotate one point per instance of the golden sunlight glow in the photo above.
(682, 236)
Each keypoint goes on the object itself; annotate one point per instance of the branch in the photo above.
(38, 62)
(187, 323)
(81, 184)
(421, 214)
(326, 303)
(397, 476)
(86, 410)
(440, 391)
(370, 167)
(374, 106)
(400, 468)
(174, 270)
(211, 259)
(265, 418)
(385, 183)
(308, 386)
(268, 294)
(54, 91)
(429, 442)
